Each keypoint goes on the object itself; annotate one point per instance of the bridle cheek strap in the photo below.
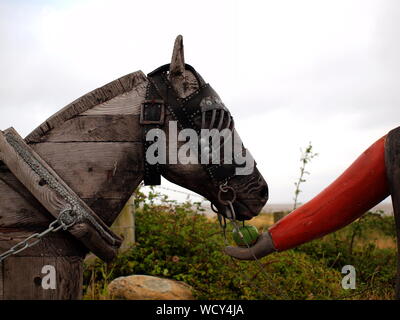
(160, 96)
(152, 116)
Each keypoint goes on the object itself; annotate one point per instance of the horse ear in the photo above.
(177, 68)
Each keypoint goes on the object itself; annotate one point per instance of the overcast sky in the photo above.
(290, 71)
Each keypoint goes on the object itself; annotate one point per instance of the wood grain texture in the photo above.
(9, 179)
(95, 170)
(88, 101)
(98, 128)
(128, 103)
(53, 201)
(23, 278)
(92, 239)
(22, 273)
(108, 209)
(177, 67)
(392, 162)
(70, 278)
(19, 208)
(183, 81)
(17, 212)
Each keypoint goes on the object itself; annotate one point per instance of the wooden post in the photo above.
(124, 225)
(392, 161)
(53, 267)
(50, 270)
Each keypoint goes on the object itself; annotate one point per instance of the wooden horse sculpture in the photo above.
(93, 151)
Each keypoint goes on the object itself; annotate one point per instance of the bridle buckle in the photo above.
(152, 112)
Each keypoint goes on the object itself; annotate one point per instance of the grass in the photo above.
(176, 241)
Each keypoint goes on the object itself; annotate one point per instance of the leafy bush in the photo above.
(356, 245)
(178, 242)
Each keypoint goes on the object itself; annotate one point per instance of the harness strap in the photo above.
(151, 117)
(184, 110)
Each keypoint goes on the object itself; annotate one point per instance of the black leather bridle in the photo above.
(204, 103)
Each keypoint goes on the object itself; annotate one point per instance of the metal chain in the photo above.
(66, 219)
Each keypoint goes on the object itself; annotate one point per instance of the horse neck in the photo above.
(99, 153)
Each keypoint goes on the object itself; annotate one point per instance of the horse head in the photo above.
(202, 150)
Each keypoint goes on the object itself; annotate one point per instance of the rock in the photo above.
(141, 287)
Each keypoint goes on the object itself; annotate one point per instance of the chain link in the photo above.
(224, 190)
(65, 220)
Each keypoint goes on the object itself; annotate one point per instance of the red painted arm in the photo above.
(362, 186)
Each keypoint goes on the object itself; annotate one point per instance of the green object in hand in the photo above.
(248, 238)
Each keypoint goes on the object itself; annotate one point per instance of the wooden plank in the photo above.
(392, 161)
(128, 103)
(132, 80)
(17, 212)
(106, 200)
(23, 278)
(70, 278)
(44, 190)
(22, 274)
(19, 208)
(89, 100)
(98, 128)
(95, 170)
(93, 240)
(7, 177)
(108, 209)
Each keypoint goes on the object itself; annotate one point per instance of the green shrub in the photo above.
(354, 245)
(176, 241)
